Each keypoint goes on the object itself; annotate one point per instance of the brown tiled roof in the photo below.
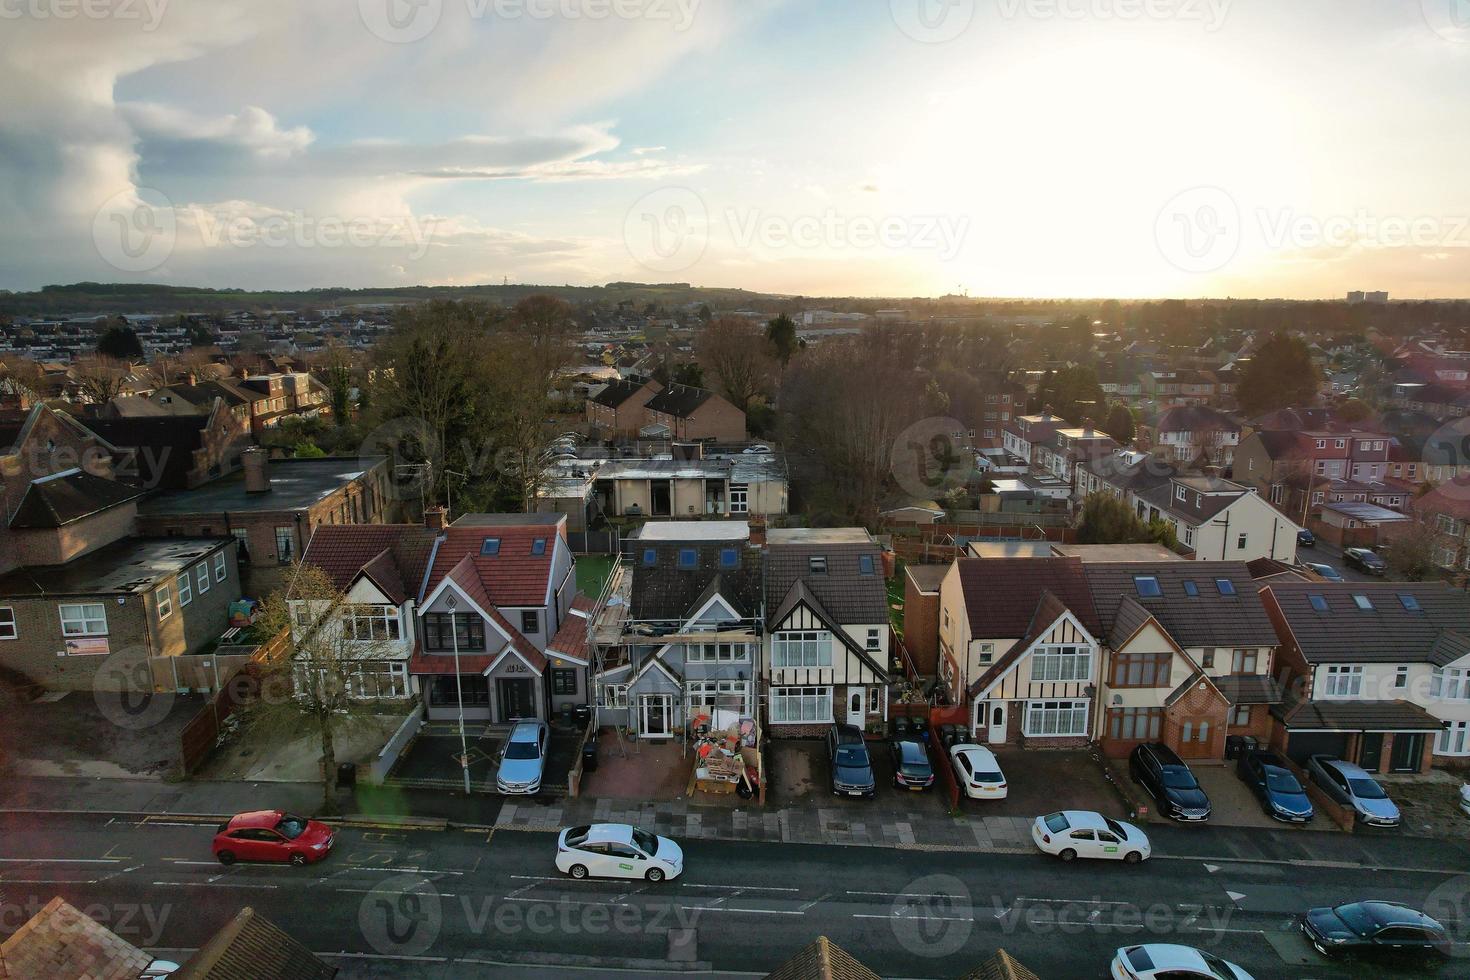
(249, 947)
(344, 550)
(571, 638)
(1204, 620)
(1250, 689)
(1001, 594)
(59, 941)
(1386, 633)
(466, 576)
(514, 576)
(1001, 966)
(1452, 499)
(1049, 608)
(849, 596)
(822, 960)
(1357, 716)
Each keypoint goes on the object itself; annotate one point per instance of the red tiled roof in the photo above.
(571, 640)
(343, 550)
(514, 577)
(1451, 498)
(466, 576)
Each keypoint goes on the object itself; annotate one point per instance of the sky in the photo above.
(1041, 148)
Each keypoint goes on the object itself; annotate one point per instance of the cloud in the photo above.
(252, 128)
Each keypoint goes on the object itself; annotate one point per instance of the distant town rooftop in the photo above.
(131, 565)
(296, 484)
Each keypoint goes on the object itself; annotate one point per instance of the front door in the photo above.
(1370, 751)
(517, 699)
(997, 723)
(1194, 739)
(855, 714)
(655, 715)
(1408, 752)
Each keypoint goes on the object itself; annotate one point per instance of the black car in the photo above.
(1375, 928)
(1156, 768)
(852, 770)
(911, 768)
(1306, 539)
(1281, 796)
(1364, 561)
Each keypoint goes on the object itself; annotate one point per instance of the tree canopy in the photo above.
(1279, 375)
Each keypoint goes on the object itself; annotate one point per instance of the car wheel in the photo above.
(1132, 857)
(1067, 854)
(578, 871)
(655, 875)
(298, 860)
(226, 857)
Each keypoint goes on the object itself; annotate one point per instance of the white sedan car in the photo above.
(1164, 961)
(617, 850)
(978, 771)
(1082, 833)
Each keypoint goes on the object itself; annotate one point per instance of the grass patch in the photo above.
(592, 573)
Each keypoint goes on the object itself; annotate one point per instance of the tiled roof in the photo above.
(1049, 608)
(822, 960)
(1250, 689)
(71, 495)
(571, 638)
(1357, 716)
(251, 948)
(514, 576)
(1452, 499)
(848, 595)
(1184, 687)
(1001, 966)
(1001, 594)
(617, 392)
(679, 401)
(1197, 507)
(1204, 620)
(1130, 618)
(664, 591)
(1386, 633)
(1196, 418)
(59, 941)
(343, 550)
(800, 594)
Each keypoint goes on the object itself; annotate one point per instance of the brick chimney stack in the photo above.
(758, 531)
(436, 518)
(256, 462)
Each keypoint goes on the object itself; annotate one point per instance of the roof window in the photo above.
(1147, 586)
(490, 547)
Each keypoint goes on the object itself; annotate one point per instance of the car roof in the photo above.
(979, 753)
(1390, 913)
(1165, 755)
(910, 747)
(622, 833)
(1084, 818)
(256, 818)
(848, 733)
(1349, 769)
(1170, 956)
(526, 729)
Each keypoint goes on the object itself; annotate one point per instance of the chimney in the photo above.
(758, 532)
(257, 472)
(1212, 471)
(435, 518)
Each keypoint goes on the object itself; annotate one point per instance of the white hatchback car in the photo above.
(617, 850)
(978, 771)
(1165, 961)
(1083, 833)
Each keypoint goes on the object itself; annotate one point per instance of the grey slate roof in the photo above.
(1250, 689)
(1357, 716)
(1001, 594)
(1387, 633)
(849, 596)
(1206, 620)
(667, 592)
(617, 392)
(57, 500)
(678, 400)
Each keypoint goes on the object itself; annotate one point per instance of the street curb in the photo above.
(356, 821)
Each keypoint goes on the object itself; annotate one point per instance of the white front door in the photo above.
(855, 713)
(996, 720)
(656, 715)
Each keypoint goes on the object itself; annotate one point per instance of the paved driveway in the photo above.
(1232, 804)
(1041, 781)
(802, 775)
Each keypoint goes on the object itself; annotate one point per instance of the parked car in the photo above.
(979, 772)
(1281, 796)
(523, 759)
(852, 770)
(1156, 768)
(1326, 571)
(756, 450)
(272, 835)
(1364, 561)
(1165, 961)
(1082, 833)
(1352, 786)
(159, 969)
(1465, 799)
(1306, 539)
(617, 850)
(1375, 928)
(911, 769)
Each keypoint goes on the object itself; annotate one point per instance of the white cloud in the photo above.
(252, 128)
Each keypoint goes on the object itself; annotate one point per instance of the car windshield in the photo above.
(852, 756)
(1217, 967)
(1056, 822)
(522, 750)
(1116, 827)
(989, 777)
(1367, 789)
(291, 827)
(1178, 777)
(647, 843)
(578, 835)
(1281, 781)
(1355, 917)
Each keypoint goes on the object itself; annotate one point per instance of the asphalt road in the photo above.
(390, 903)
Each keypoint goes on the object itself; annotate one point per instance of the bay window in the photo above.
(801, 704)
(1056, 718)
(1343, 682)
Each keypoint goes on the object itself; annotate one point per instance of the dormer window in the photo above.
(490, 547)
(817, 564)
(1180, 493)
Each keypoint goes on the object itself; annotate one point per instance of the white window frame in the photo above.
(717, 653)
(8, 628)
(186, 588)
(82, 617)
(875, 639)
(1052, 714)
(201, 577)
(1343, 681)
(219, 567)
(615, 696)
(1450, 684)
(163, 601)
(740, 498)
(371, 623)
(807, 701)
(1454, 740)
(801, 648)
(708, 694)
(1059, 663)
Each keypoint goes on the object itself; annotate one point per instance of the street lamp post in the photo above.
(464, 751)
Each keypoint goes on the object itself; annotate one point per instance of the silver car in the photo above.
(523, 759)
(1352, 786)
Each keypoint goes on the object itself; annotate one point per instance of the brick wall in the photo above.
(921, 627)
(47, 546)
(1193, 708)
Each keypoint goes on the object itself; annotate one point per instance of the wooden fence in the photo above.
(234, 691)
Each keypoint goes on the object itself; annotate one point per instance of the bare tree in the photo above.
(337, 365)
(21, 377)
(736, 357)
(99, 377)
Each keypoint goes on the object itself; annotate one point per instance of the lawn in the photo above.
(592, 573)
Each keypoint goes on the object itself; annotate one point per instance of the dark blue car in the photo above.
(852, 770)
(1281, 796)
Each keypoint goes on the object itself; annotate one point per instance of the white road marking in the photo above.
(378, 891)
(893, 915)
(212, 883)
(701, 908)
(899, 895)
(61, 860)
(742, 888)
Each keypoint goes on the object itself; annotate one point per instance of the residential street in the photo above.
(398, 902)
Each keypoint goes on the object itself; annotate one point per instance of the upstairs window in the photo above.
(865, 564)
(817, 564)
(1147, 586)
(490, 547)
(1225, 586)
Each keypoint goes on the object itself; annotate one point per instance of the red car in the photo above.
(272, 835)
